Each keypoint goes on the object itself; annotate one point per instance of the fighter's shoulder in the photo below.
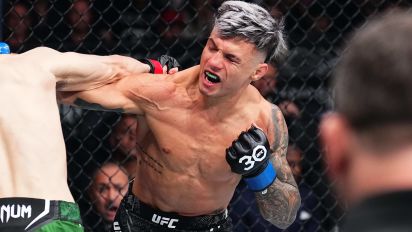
(182, 76)
(274, 123)
(185, 76)
(274, 113)
(265, 106)
(271, 113)
(159, 87)
(180, 79)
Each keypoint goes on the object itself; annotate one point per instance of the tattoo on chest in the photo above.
(94, 106)
(150, 162)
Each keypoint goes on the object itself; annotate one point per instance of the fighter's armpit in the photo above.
(94, 106)
(279, 203)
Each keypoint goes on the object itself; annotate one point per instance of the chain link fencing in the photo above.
(316, 31)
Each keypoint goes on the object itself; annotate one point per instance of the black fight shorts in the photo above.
(134, 215)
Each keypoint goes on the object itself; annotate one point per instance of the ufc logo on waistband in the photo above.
(259, 154)
(116, 227)
(164, 221)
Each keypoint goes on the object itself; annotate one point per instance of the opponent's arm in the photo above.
(280, 202)
(76, 72)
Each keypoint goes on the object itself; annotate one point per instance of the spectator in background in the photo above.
(86, 35)
(368, 139)
(81, 18)
(108, 187)
(267, 87)
(170, 26)
(19, 23)
(200, 12)
(309, 216)
(123, 141)
(42, 30)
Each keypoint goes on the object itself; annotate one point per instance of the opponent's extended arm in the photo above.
(77, 72)
(280, 202)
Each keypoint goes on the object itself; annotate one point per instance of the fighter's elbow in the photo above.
(284, 218)
(281, 223)
(42, 51)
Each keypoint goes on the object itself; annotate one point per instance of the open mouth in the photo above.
(212, 77)
(112, 209)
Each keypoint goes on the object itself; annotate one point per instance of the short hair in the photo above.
(254, 24)
(373, 79)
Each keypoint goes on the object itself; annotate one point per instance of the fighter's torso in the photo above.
(32, 152)
(184, 169)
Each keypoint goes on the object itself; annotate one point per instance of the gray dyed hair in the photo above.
(254, 24)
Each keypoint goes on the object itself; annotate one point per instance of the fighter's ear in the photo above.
(260, 71)
(335, 136)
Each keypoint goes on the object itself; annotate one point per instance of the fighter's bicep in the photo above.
(105, 98)
(149, 91)
(133, 94)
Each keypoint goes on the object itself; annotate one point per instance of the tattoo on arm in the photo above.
(94, 106)
(280, 203)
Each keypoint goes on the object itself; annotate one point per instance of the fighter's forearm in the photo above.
(95, 71)
(279, 203)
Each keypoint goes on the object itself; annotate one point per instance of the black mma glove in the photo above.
(249, 156)
(156, 66)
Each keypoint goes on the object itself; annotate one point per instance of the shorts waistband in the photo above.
(171, 219)
(29, 213)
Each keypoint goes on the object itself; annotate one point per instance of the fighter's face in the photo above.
(109, 187)
(227, 65)
(124, 137)
(294, 158)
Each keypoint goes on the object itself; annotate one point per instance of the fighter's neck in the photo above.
(221, 107)
(212, 105)
(227, 101)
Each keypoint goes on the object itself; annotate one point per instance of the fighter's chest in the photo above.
(197, 146)
(196, 139)
(203, 156)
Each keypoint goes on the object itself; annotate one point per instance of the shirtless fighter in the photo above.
(192, 156)
(34, 195)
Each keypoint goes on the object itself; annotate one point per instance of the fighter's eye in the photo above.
(212, 48)
(232, 59)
